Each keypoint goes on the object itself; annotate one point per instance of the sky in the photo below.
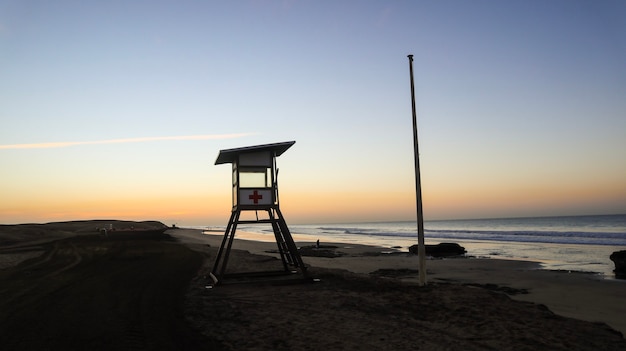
(118, 109)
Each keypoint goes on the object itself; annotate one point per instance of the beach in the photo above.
(583, 296)
(75, 290)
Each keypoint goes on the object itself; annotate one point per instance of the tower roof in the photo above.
(230, 155)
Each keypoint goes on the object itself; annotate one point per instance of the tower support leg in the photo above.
(221, 260)
(280, 242)
(293, 254)
(287, 248)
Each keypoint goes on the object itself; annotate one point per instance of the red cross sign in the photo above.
(255, 197)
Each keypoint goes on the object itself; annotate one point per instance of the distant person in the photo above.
(317, 245)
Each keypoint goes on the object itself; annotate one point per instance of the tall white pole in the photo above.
(421, 247)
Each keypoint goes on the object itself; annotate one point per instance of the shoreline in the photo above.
(578, 295)
(597, 262)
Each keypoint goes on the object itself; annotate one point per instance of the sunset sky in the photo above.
(118, 109)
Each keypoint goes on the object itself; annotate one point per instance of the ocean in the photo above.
(570, 243)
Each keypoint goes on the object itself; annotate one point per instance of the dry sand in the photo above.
(582, 296)
(62, 287)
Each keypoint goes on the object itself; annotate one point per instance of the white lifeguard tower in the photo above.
(255, 188)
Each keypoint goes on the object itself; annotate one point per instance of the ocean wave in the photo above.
(588, 230)
(587, 238)
(557, 237)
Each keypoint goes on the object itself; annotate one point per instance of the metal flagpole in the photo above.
(421, 248)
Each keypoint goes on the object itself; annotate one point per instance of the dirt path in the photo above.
(95, 293)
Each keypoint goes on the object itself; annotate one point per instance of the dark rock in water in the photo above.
(619, 258)
(441, 250)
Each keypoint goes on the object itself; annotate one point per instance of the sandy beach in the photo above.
(72, 289)
(582, 296)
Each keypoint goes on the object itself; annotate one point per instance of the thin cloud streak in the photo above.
(122, 141)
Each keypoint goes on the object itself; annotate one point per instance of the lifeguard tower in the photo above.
(255, 188)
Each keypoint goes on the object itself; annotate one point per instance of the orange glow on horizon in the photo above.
(208, 208)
